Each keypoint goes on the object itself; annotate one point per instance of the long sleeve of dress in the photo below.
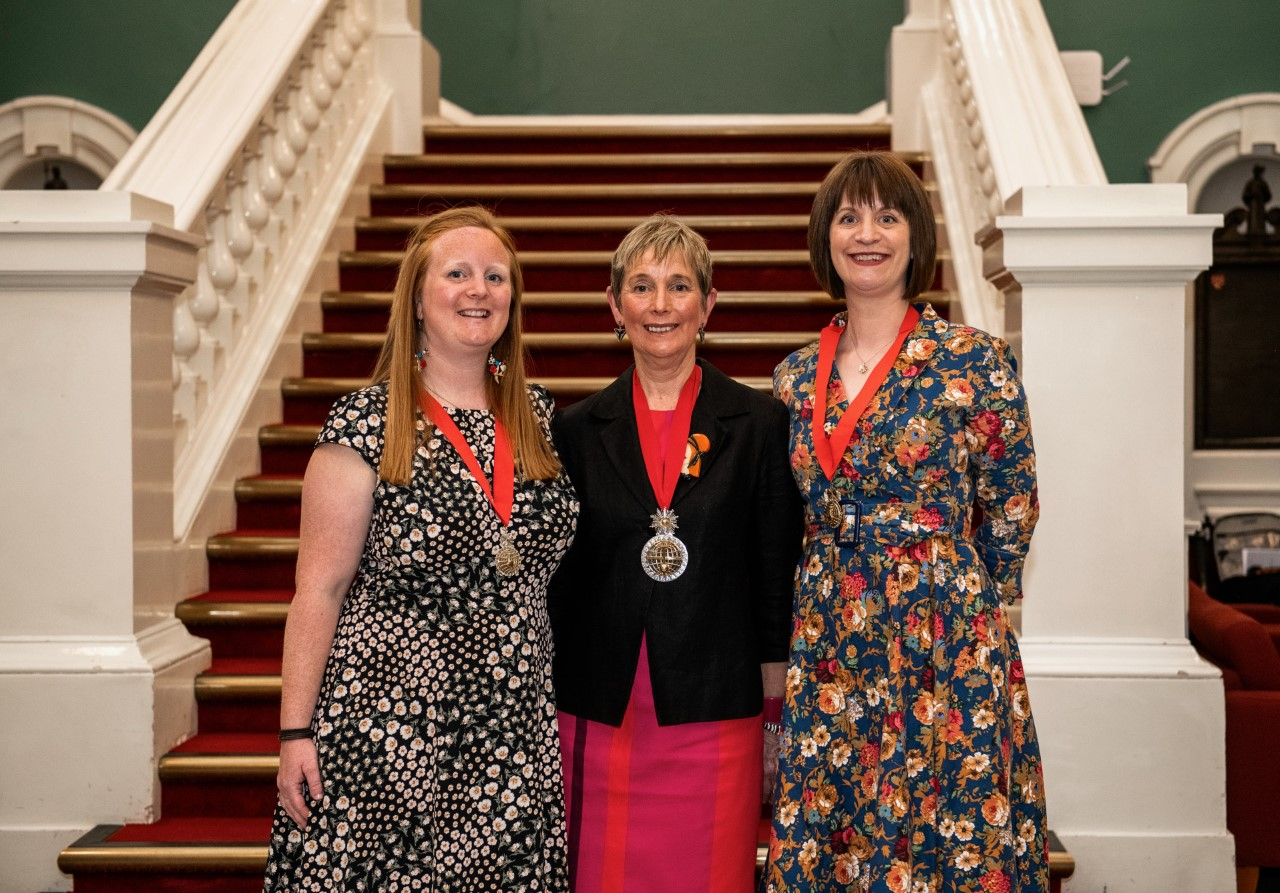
(1003, 465)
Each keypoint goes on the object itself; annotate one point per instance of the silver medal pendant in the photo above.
(664, 557)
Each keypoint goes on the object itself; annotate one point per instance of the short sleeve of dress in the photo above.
(357, 421)
(544, 405)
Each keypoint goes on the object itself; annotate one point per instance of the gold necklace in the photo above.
(863, 364)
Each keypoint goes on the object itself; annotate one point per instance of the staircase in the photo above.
(568, 195)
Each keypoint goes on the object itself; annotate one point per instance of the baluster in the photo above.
(362, 14)
(257, 211)
(296, 133)
(343, 47)
(321, 88)
(239, 234)
(241, 243)
(331, 65)
(286, 159)
(272, 177)
(308, 111)
(186, 332)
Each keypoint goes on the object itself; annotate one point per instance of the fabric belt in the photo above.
(899, 524)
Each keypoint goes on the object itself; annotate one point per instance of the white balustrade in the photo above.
(1000, 116)
(270, 122)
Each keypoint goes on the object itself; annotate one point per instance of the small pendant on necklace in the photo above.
(862, 370)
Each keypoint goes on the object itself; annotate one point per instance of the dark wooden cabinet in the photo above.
(1237, 338)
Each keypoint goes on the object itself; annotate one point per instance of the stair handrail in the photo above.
(255, 150)
(1001, 116)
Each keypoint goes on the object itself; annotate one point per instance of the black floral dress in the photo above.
(435, 724)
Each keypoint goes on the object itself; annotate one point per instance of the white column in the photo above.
(913, 59)
(95, 671)
(1130, 719)
(410, 67)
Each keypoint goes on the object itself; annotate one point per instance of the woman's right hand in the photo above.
(298, 779)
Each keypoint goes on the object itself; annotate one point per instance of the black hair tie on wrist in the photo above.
(296, 734)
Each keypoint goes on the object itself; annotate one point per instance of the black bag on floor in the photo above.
(1242, 563)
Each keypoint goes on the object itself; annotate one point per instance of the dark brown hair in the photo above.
(396, 365)
(871, 178)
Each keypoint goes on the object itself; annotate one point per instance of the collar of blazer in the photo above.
(720, 398)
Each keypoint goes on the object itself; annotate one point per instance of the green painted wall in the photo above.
(124, 56)
(672, 56)
(1185, 55)
(661, 56)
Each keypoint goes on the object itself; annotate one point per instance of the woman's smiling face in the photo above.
(870, 249)
(661, 306)
(465, 300)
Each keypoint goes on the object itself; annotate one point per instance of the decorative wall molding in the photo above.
(1214, 137)
(1221, 481)
(56, 127)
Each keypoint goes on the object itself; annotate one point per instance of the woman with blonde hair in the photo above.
(418, 738)
(671, 612)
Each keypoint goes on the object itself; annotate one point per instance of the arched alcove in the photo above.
(1241, 129)
(1213, 152)
(84, 141)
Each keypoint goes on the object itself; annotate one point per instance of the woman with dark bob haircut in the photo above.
(908, 760)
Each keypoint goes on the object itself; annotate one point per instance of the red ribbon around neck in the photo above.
(502, 494)
(830, 451)
(664, 471)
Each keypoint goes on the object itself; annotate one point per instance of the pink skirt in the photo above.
(671, 808)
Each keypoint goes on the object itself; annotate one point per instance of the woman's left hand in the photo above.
(770, 767)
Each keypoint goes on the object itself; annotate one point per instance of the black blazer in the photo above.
(709, 630)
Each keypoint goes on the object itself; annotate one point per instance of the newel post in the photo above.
(95, 671)
(1130, 719)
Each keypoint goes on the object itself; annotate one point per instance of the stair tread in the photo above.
(611, 159)
(727, 257)
(269, 487)
(591, 190)
(233, 596)
(622, 223)
(694, 128)
(244, 666)
(228, 743)
(531, 299)
(539, 298)
(324, 386)
(586, 340)
(235, 612)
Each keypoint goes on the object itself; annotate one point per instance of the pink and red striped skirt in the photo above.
(671, 808)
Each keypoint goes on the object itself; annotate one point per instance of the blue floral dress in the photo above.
(909, 758)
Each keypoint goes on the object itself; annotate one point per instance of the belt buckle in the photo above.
(851, 517)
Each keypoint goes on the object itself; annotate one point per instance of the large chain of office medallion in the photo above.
(664, 557)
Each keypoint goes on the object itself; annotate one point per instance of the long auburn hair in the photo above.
(534, 458)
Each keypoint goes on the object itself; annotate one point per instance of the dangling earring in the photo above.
(702, 335)
(620, 331)
(497, 368)
(421, 356)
